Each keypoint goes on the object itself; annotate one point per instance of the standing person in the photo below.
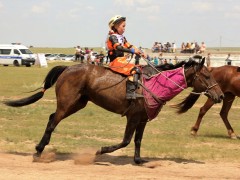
(228, 60)
(175, 60)
(117, 45)
(160, 57)
(174, 47)
(155, 61)
(202, 48)
(208, 61)
(81, 55)
(183, 47)
(92, 57)
(101, 58)
(77, 53)
(197, 47)
(86, 56)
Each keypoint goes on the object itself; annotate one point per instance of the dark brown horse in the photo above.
(78, 84)
(228, 78)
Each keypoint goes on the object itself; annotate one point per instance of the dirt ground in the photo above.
(85, 165)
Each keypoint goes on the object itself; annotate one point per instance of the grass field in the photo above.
(168, 136)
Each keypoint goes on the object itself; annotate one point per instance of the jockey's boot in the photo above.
(130, 90)
(132, 84)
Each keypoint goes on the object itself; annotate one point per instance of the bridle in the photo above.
(198, 77)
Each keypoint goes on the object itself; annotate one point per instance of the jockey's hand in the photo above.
(142, 54)
(138, 52)
(135, 51)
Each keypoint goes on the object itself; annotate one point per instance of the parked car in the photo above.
(52, 57)
(47, 54)
(61, 56)
(69, 57)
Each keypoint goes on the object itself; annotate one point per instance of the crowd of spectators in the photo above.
(160, 60)
(193, 47)
(89, 56)
(164, 47)
(188, 47)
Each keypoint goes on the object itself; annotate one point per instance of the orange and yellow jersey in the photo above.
(117, 45)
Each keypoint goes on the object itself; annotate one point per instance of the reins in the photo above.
(201, 93)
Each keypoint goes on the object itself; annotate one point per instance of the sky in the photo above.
(68, 23)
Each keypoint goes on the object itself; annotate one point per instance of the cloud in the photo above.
(235, 13)
(40, 8)
(202, 6)
(1, 6)
(126, 3)
(131, 3)
(77, 11)
(74, 13)
(91, 8)
(148, 9)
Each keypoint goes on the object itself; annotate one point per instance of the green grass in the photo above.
(70, 50)
(168, 136)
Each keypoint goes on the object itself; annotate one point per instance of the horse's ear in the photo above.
(203, 61)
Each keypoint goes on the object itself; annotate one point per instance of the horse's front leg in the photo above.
(129, 130)
(138, 139)
(202, 112)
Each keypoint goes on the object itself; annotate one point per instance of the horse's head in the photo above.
(198, 76)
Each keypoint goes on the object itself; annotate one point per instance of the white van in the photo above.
(16, 54)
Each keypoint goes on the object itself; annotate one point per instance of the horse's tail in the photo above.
(49, 81)
(187, 103)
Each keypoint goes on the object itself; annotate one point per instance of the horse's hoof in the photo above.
(99, 152)
(36, 157)
(194, 133)
(233, 136)
(139, 161)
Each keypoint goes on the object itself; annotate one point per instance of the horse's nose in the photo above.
(220, 98)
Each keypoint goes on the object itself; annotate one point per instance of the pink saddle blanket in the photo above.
(165, 86)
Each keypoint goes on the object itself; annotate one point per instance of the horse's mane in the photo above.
(168, 66)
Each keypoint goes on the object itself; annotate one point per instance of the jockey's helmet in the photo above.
(116, 19)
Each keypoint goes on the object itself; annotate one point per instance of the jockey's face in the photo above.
(120, 27)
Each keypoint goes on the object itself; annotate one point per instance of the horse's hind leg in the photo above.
(137, 140)
(202, 112)
(61, 113)
(227, 104)
(46, 137)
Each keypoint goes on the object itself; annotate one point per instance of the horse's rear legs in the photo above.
(227, 104)
(46, 137)
(54, 119)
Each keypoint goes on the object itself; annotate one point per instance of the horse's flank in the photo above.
(97, 84)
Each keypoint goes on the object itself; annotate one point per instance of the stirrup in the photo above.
(133, 95)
